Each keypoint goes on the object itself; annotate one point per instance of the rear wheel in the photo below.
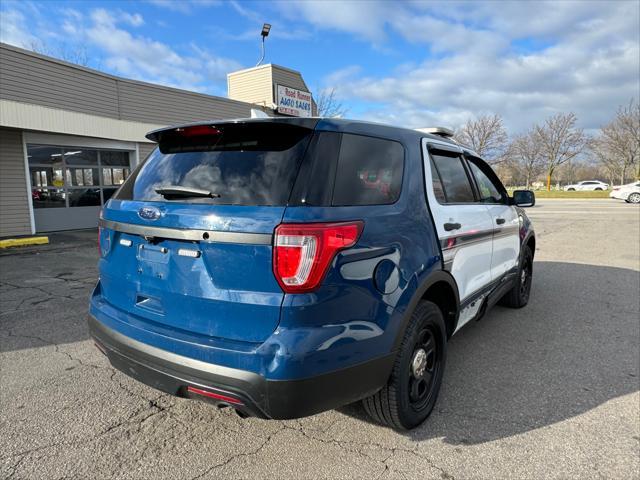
(634, 198)
(598, 189)
(518, 296)
(571, 189)
(412, 389)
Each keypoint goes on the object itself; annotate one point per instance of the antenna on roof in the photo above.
(440, 131)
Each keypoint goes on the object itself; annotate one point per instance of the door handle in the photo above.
(452, 226)
(500, 221)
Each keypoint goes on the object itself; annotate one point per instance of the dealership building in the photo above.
(70, 135)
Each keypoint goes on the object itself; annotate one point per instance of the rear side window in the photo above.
(450, 178)
(369, 171)
(240, 164)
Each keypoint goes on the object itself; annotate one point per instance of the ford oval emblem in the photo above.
(149, 213)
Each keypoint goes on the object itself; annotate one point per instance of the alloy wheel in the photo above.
(423, 369)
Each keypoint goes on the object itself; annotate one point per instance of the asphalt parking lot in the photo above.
(549, 391)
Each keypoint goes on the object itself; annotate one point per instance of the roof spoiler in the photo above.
(440, 131)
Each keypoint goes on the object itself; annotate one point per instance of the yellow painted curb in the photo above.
(23, 242)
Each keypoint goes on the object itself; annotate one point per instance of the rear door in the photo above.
(465, 227)
(505, 220)
(187, 241)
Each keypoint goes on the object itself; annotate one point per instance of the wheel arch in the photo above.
(531, 243)
(440, 288)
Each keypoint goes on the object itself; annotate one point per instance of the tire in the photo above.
(518, 296)
(598, 189)
(412, 389)
(571, 189)
(634, 198)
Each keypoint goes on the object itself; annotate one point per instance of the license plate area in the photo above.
(153, 261)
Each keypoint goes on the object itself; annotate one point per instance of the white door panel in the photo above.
(506, 239)
(469, 263)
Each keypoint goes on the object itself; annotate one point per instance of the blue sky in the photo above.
(407, 63)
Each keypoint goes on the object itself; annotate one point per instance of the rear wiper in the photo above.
(177, 191)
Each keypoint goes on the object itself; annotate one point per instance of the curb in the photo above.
(23, 242)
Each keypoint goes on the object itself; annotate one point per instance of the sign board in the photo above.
(294, 102)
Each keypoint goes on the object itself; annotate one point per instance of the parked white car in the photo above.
(629, 192)
(587, 185)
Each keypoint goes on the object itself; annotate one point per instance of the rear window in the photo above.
(450, 180)
(369, 171)
(240, 164)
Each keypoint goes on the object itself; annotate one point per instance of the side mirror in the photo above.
(523, 198)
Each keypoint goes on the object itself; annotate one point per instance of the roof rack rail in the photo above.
(441, 131)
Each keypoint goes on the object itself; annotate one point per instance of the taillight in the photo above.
(303, 251)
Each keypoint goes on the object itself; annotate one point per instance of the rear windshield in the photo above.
(240, 164)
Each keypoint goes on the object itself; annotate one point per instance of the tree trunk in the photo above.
(623, 174)
(549, 182)
(528, 175)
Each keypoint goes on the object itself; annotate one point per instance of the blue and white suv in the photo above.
(287, 266)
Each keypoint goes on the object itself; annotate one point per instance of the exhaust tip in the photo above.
(241, 414)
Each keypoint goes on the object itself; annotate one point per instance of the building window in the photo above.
(67, 177)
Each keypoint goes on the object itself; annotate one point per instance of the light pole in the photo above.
(265, 33)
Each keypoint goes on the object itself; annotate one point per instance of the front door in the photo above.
(465, 226)
(505, 220)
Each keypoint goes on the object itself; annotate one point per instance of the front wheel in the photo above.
(598, 189)
(412, 389)
(518, 296)
(634, 198)
(571, 189)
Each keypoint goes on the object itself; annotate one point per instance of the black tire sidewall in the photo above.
(429, 315)
(527, 258)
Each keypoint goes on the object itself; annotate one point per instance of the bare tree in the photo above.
(525, 152)
(329, 105)
(486, 135)
(69, 53)
(560, 141)
(617, 146)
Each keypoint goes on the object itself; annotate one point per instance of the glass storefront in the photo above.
(68, 177)
(70, 184)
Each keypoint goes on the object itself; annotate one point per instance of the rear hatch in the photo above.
(187, 240)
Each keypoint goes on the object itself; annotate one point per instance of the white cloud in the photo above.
(133, 19)
(13, 29)
(143, 58)
(589, 63)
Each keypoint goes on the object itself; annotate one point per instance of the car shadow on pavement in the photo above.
(573, 348)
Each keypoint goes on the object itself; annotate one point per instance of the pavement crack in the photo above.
(239, 455)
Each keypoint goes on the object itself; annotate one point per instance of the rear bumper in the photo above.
(250, 393)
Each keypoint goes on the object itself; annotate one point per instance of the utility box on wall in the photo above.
(272, 86)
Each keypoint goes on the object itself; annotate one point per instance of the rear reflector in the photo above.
(303, 252)
(216, 396)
